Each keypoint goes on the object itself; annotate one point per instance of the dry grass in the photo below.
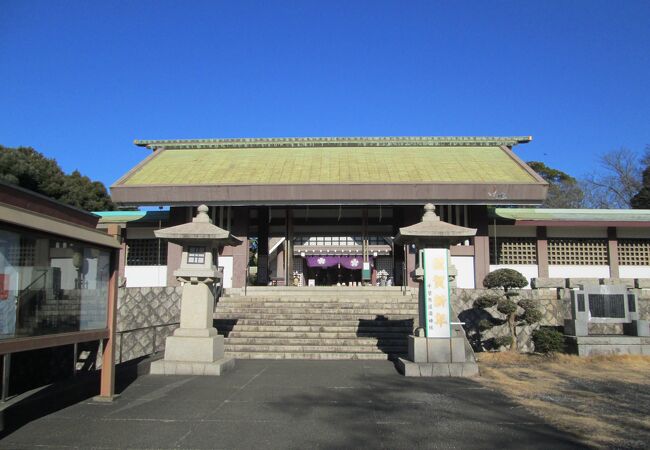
(602, 400)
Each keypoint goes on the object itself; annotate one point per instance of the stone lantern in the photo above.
(439, 346)
(195, 348)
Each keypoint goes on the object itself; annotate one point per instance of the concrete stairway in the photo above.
(316, 322)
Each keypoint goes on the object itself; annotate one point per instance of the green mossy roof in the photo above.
(573, 215)
(131, 216)
(309, 165)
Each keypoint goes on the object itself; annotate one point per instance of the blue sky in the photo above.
(79, 81)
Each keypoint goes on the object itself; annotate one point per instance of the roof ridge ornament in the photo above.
(365, 141)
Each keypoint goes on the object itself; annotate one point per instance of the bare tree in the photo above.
(617, 181)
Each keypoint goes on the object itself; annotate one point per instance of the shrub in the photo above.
(502, 341)
(486, 301)
(506, 279)
(548, 340)
(485, 324)
(508, 282)
(532, 315)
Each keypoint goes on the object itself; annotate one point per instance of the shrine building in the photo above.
(324, 211)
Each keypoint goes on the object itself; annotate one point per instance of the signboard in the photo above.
(365, 272)
(436, 292)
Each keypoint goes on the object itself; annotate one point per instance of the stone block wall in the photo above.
(145, 317)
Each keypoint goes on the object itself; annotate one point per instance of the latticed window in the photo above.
(577, 252)
(146, 252)
(23, 254)
(513, 250)
(634, 252)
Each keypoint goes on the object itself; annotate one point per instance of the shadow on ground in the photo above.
(60, 395)
(391, 411)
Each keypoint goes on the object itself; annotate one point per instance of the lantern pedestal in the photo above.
(195, 348)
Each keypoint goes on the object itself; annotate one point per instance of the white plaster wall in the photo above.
(634, 271)
(557, 271)
(226, 262)
(527, 270)
(465, 268)
(145, 276)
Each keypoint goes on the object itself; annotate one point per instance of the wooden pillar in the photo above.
(612, 244)
(281, 273)
(239, 229)
(398, 250)
(288, 247)
(177, 216)
(481, 245)
(107, 378)
(122, 255)
(412, 215)
(263, 245)
(542, 253)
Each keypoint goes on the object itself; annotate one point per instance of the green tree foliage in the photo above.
(508, 282)
(563, 191)
(642, 198)
(29, 169)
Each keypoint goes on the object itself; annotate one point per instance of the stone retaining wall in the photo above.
(554, 304)
(151, 314)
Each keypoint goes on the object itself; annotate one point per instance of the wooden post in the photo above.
(6, 371)
(612, 244)
(107, 385)
(542, 253)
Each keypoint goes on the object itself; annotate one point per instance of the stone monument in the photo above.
(439, 347)
(195, 348)
(609, 309)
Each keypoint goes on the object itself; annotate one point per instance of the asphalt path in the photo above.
(284, 404)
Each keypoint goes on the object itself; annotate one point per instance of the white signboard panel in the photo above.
(436, 293)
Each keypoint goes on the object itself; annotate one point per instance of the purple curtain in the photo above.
(349, 262)
(322, 261)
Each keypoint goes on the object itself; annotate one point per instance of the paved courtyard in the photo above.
(290, 404)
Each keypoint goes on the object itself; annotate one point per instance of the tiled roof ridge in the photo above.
(388, 141)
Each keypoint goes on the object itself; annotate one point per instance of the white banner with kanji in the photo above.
(436, 292)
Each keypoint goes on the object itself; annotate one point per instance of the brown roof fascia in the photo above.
(136, 168)
(523, 165)
(363, 193)
(583, 223)
(35, 202)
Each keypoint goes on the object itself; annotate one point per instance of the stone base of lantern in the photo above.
(215, 368)
(438, 357)
(193, 352)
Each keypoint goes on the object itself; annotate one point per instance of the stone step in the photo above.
(323, 290)
(312, 355)
(319, 334)
(318, 342)
(257, 348)
(224, 322)
(320, 298)
(316, 311)
(313, 316)
(320, 304)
